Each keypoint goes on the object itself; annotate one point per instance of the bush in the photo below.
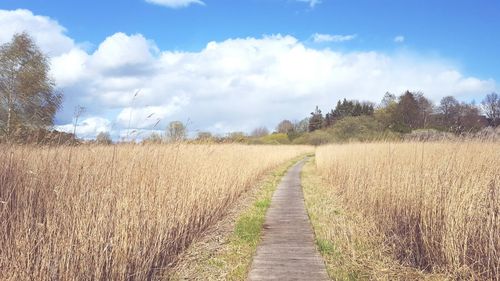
(360, 128)
(153, 138)
(317, 137)
(279, 138)
(40, 137)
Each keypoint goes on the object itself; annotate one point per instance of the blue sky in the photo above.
(405, 44)
(465, 31)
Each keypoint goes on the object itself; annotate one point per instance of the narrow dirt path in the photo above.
(287, 250)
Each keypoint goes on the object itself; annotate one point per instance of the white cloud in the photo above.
(69, 67)
(312, 3)
(148, 117)
(236, 84)
(121, 50)
(399, 39)
(48, 34)
(175, 3)
(321, 38)
(88, 127)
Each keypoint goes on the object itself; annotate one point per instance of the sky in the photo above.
(233, 65)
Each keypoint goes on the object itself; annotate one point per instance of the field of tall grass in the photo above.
(120, 212)
(437, 204)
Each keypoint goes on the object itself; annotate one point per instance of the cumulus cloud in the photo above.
(121, 51)
(48, 34)
(236, 84)
(321, 38)
(175, 3)
(399, 39)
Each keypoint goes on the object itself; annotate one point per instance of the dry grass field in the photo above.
(436, 205)
(119, 212)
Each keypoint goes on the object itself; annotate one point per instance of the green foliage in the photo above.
(279, 138)
(316, 121)
(347, 108)
(326, 247)
(385, 115)
(237, 137)
(317, 137)
(248, 228)
(360, 128)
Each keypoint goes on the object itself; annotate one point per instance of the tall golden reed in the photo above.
(117, 212)
(438, 204)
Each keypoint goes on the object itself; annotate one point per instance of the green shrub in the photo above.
(275, 139)
(360, 128)
(317, 137)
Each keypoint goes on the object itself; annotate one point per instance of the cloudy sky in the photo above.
(226, 65)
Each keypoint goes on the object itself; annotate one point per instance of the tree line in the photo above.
(412, 110)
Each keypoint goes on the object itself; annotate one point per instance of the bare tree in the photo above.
(426, 109)
(284, 127)
(28, 98)
(470, 119)
(491, 107)
(176, 131)
(260, 132)
(449, 109)
(387, 100)
(204, 136)
(153, 138)
(104, 138)
(301, 126)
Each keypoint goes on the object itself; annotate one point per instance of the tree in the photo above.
(407, 112)
(260, 132)
(491, 107)
(237, 137)
(388, 99)
(204, 136)
(104, 138)
(386, 111)
(285, 127)
(176, 131)
(301, 126)
(449, 110)
(347, 108)
(425, 109)
(28, 98)
(153, 138)
(470, 119)
(316, 120)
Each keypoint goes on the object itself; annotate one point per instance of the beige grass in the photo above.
(437, 205)
(226, 252)
(351, 245)
(119, 212)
